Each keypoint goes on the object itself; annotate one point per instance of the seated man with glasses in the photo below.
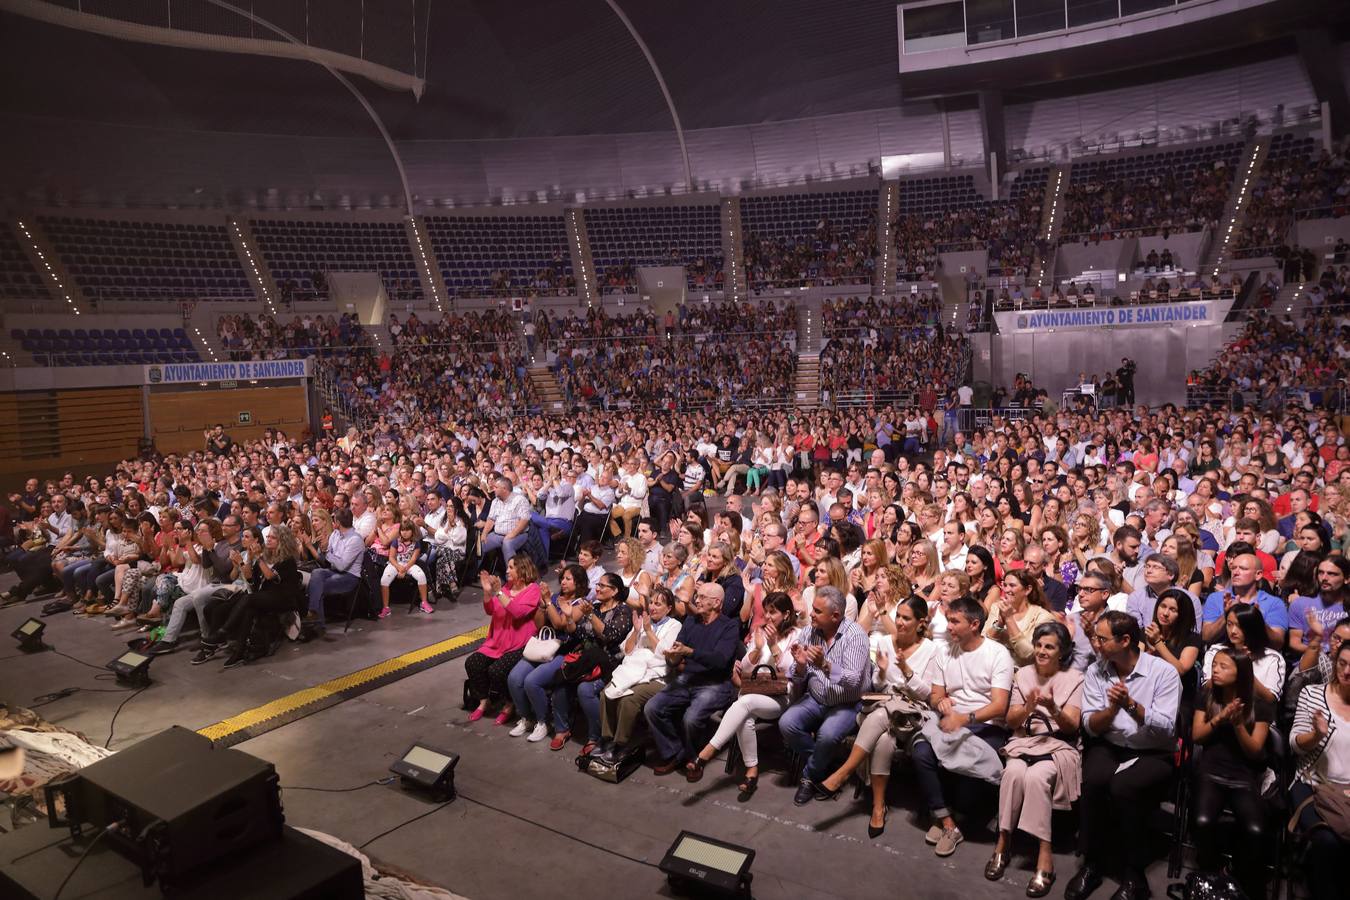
(1160, 573)
(1089, 604)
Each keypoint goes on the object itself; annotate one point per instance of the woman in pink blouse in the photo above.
(513, 608)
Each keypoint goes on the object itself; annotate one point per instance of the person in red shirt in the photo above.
(1247, 531)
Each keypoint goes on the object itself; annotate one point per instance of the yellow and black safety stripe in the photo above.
(284, 710)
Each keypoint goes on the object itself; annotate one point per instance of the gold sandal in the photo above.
(1040, 883)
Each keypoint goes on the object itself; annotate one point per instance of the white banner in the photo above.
(248, 370)
(1199, 312)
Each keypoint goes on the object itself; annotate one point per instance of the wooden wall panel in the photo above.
(45, 432)
(178, 418)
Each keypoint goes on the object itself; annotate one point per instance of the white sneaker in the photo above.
(522, 726)
(540, 733)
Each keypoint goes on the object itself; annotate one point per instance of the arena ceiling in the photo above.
(501, 70)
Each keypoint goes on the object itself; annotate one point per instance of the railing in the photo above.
(1334, 211)
(731, 402)
(1134, 298)
(1120, 234)
(334, 401)
(968, 418)
(1331, 398)
(873, 398)
(772, 284)
(553, 344)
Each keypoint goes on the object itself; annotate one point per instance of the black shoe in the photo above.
(873, 831)
(806, 792)
(206, 653)
(824, 793)
(163, 647)
(1132, 887)
(1084, 882)
(237, 657)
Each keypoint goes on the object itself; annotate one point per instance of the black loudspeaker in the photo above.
(178, 803)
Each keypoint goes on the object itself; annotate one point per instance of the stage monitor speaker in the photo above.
(180, 803)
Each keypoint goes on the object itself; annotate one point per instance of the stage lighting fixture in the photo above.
(428, 769)
(707, 866)
(29, 635)
(132, 667)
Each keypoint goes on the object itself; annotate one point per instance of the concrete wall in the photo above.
(1054, 360)
(1186, 248)
(1074, 259)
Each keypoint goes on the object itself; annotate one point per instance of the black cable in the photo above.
(562, 834)
(113, 724)
(83, 857)
(437, 808)
(348, 790)
(44, 699)
(78, 660)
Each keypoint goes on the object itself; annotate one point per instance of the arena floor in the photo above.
(820, 850)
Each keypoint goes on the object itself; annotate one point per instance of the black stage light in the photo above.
(429, 769)
(132, 667)
(707, 866)
(29, 635)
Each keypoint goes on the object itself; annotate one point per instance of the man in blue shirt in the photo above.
(1244, 572)
(1130, 705)
(703, 656)
(830, 668)
(346, 551)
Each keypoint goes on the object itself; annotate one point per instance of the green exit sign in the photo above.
(245, 418)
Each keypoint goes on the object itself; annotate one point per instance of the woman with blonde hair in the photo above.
(630, 490)
(1178, 546)
(922, 567)
(872, 558)
(1084, 540)
(876, 614)
(628, 554)
(1011, 545)
(951, 584)
(906, 667)
(830, 572)
(775, 574)
(1015, 617)
(275, 576)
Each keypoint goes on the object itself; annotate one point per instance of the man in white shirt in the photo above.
(971, 690)
(508, 518)
(363, 517)
(952, 551)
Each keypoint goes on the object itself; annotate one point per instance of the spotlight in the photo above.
(429, 769)
(29, 635)
(132, 667)
(707, 866)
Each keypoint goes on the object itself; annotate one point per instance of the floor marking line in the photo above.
(247, 724)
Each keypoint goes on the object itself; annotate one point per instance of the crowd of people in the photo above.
(1274, 355)
(1007, 230)
(1288, 186)
(874, 347)
(828, 256)
(468, 362)
(1169, 202)
(1058, 612)
(699, 354)
(264, 337)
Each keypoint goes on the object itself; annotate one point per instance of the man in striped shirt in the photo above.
(830, 668)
